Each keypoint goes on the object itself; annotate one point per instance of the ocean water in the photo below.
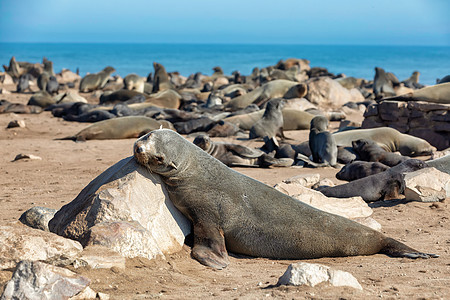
(358, 61)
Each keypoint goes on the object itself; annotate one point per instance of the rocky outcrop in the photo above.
(126, 208)
(429, 121)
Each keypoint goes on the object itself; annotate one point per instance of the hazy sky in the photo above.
(386, 22)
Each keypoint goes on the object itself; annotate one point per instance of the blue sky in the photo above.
(380, 22)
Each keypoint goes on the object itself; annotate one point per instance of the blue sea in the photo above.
(358, 61)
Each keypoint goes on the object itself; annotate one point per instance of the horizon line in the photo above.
(228, 43)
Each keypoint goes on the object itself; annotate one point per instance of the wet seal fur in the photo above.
(233, 212)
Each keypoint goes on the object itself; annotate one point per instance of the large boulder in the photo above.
(127, 209)
(19, 242)
(327, 92)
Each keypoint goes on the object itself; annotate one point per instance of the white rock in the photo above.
(99, 257)
(127, 209)
(313, 274)
(325, 91)
(19, 242)
(38, 280)
(70, 96)
(427, 185)
(354, 208)
(306, 180)
(298, 104)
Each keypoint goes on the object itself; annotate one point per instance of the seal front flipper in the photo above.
(209, 246)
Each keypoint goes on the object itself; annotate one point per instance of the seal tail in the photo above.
(395, 248)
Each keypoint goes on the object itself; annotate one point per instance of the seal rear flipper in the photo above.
(397, 249)
(209, 246)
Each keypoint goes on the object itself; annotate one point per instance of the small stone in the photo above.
(26, 156)
(16, 123)
(38, 217)
(313, 274)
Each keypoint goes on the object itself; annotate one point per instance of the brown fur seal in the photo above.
(360, 169)
(92, 82)
(118, 128)
(292, 119)
(439, 93)
(134, 82)
(388, 138)
(234, 155)
(272, 89)
(161, 80)
(382, 85)
(233, 212)
(370, 151)
(271, 123)
(382, 186)
(321, 142)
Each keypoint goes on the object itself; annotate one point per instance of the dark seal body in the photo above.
(271, 124)
(231, 211)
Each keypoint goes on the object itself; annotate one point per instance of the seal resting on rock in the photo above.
(233, 212)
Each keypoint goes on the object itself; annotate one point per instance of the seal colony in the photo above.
(232, 212)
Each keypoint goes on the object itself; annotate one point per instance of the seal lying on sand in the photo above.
(92, 82)
(382, 186)
(360, 169)
(234, 155)
(119, 128)
(370, 151)
(231, 211)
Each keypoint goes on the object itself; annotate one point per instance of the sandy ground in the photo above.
(66, 167)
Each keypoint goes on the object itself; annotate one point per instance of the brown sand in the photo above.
(66, 167)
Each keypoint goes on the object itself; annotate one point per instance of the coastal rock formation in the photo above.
(427, 185)
(426, 120)
(325, 91)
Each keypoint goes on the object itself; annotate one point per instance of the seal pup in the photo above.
(360, 169)
(134, 82)
(271, 123)
(370, 151)
(234, 155)
(24, 83)
(233, 212)
(382, 186)
(92, 82)
(321, 142)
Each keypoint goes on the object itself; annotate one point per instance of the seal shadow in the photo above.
(388, 203)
